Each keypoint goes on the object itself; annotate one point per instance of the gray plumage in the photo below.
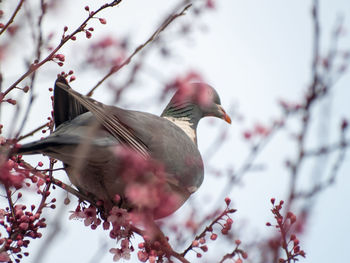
(88, 133)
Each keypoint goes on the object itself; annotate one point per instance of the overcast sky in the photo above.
(254, 53)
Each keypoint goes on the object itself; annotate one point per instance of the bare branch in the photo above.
(12, 18)
(169, 19)
(33, 67)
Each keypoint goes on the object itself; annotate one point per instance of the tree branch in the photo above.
(169, 19)
(34, 66)
(12, 18)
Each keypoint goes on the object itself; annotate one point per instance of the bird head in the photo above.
(196, 100)
(209, 102)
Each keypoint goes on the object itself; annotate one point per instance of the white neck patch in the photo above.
(185, 125)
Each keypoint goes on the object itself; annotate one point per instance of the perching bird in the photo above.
(150, 162)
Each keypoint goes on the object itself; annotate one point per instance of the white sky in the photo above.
(253, 53)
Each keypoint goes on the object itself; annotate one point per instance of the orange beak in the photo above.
(225, 115)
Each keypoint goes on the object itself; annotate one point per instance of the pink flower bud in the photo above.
(204, 248)
(195, 243)
(247, 135)
(229, 221)
(26, 89)
(88, 34)
(213, 236)
(11, 101)
(224, 231)
(344, 124)
(293, 218)
(60, 57)
(210, 4)
(23, 226)
(105, 225)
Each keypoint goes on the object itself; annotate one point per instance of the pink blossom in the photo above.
(4, 257)
(202, 97)
(195, 243)
(104, 43)
(210, 4)
(106, 225)
(143, 195)
(11, 175)
(142, 256)
(134, 165)
(2, 214)
(23, 226)
(247, 135)
(125, 243)
(261, 130)
(90, 216)
(60, 57)
(123, 252)
(103, 21)
(118, 216)
(152, 259)
(77, 215)
(183, 86)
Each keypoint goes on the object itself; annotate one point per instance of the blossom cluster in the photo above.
(287, 239)
(186, 91)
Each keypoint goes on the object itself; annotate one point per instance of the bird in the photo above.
(135, 159)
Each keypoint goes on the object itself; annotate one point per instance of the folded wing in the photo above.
(78, 103)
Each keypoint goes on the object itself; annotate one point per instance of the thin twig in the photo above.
(319, 187)
(32, 132)
(169, 19)
(33, 67)
(12, 18)
(231, 255)
(327, 149)
(310, 100)
(248, 163)
(59, 183)
(9, 199)
(38, 57)
(208, 228)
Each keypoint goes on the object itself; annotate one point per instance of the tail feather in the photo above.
(38, 147)
(66, 107)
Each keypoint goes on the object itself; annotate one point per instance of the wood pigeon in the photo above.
(134, 159)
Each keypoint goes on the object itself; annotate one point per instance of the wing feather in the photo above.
(107, 118)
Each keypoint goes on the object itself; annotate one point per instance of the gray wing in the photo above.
(66, 107)
(107, 117)
(72, 133)
(169, 145)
